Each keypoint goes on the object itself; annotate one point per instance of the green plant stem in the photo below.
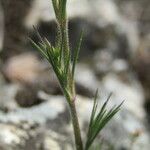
(75, 123)
(70, 97)
(67, 85)
(74, 117)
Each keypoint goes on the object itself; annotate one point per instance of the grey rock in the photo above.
(15, 137)
(38, 114)
(7, 93)
(37, 121)
(86, 77)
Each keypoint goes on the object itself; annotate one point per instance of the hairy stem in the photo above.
(75, 122)
(67, 85)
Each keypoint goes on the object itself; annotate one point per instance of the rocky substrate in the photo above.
(47, 125)
(33, 112)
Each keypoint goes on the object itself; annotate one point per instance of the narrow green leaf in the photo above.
(56, 8)
(50, 56)
(38, 34)
(75, 58)
(64, 2)
(94, 109)
(98, 121)
(47, 43)
(105, 104)
(67, 65)
(93, 114)
(39, 48)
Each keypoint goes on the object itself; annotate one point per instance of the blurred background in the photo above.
(115, 57)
